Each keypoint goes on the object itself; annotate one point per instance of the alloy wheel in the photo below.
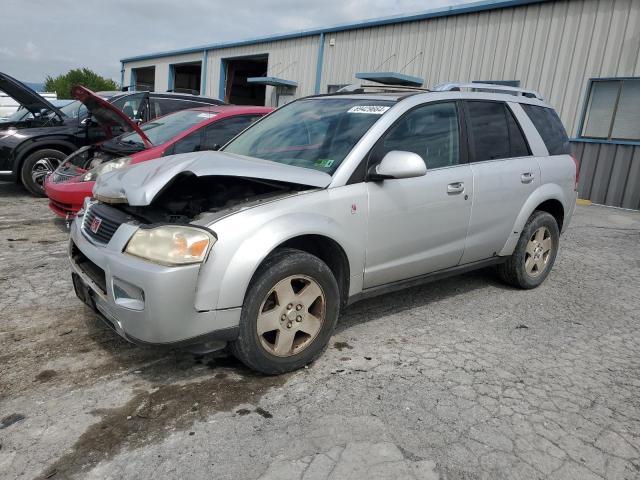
(291, 315)
(538, 252)
(42, 168)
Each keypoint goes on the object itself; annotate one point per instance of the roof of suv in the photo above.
(480, 91)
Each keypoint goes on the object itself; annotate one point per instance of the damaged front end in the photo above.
(188, 187)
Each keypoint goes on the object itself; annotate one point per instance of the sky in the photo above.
(44, 37)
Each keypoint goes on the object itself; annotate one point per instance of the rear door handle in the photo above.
(455, 188)
(526, 177)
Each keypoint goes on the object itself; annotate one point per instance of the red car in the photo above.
(203, 128)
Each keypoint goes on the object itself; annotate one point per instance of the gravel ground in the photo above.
(462, 379)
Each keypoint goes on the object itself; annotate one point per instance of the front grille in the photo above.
(104, 219)
(93, 271)
(62, 208)
(59, 177)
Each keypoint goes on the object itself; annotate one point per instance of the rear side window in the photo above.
(494, 132)
(162, 106)
(550, 128)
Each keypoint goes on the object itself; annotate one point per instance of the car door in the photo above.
(504, 175)
(418, 225)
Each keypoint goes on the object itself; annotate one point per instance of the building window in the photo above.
(612, 109)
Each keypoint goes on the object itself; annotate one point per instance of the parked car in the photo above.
(8, 105)
(328, 200)
(54, 133)
(197, 129)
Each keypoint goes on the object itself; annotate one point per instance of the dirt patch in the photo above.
(150, 416)
(46, 375)
(342, 345)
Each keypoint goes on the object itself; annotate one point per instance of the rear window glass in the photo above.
(550, 128)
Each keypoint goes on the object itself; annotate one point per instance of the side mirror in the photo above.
(398, 164)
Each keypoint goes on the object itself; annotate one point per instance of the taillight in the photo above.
(575, 160)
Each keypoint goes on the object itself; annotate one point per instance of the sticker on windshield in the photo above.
(206, 115)
(371, 109)
(323, 163)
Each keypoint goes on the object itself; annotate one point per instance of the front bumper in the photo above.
(66, 198)
(144, 302)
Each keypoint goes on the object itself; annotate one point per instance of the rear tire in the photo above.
(37, 166)
(535, 252)
(289, 313)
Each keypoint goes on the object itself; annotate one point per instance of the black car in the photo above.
(32, 148)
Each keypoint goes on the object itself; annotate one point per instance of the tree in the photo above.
(62, 83)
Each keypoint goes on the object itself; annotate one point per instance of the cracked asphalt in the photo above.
(461, 379)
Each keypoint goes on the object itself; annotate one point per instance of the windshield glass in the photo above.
(163, 129)
(74, 109)
(20, 114)
(312, 133)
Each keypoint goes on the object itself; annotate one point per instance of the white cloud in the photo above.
(31, 51)
(4, 51)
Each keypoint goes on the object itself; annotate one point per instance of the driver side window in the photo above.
(431, 131)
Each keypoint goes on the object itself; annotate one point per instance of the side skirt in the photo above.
(422, 279)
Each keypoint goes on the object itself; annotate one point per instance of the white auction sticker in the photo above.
(207, 115)
(371, 109)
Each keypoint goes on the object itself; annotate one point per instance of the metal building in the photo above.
(583, 56)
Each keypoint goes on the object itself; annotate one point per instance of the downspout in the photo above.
(121, 75)
(203, 74)
(319, 63)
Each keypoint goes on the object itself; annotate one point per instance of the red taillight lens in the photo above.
(575, 160)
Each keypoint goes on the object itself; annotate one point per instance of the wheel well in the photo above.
(555, 208)
(331, 253)
(66, 149)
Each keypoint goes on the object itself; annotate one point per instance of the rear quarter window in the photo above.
(550, 128)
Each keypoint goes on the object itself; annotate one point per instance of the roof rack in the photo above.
(358, 88)
(448, 87)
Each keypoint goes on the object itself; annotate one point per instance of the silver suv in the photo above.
(326, 201)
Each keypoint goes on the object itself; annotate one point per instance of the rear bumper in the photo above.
(144, 302)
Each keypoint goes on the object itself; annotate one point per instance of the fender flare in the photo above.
(238, 272)
(548, 191)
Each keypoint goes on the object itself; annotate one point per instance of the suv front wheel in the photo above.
(290, 310)
(37, 166)
(535, 252)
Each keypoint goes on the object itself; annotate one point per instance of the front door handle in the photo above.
(455, 188)
(526, 177)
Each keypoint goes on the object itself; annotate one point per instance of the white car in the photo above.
(8, 105)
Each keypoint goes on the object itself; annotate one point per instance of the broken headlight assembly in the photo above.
(171, 245)
(106, 167)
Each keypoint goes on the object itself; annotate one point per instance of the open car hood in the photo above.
(139, 184)
(107, 115)
(25, 96)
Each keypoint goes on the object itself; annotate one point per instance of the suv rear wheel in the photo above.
(289, 313)
(535, 252)
(37, 166)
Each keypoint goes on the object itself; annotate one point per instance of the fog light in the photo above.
(127, 295)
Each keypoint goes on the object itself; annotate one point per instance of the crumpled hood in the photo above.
(139, 184)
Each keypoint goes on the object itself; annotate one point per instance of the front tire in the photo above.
(534, 254)
(289, 313)
(37, 166)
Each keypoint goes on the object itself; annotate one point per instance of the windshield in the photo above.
(163, 129)
(74, 109)
(20, 114)
(315, 133)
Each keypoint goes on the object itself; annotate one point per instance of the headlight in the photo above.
(171, 245)
(104, 168)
